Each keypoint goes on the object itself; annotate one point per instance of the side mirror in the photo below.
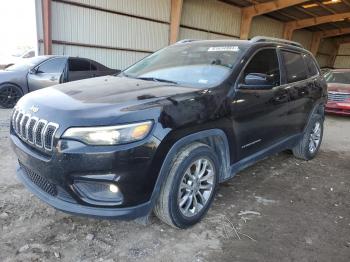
(32, 71)
(257, 81)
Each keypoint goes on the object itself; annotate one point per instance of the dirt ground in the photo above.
(280, 209)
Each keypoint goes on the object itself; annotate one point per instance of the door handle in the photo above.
(53, 78)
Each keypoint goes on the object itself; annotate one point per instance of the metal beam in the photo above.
(46, 14)
(259, 9)
(175, 19)
(289, 27)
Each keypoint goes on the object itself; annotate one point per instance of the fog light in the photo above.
(98, 193)
(113, 188)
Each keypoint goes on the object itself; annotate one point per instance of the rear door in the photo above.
(259, 113)
(300, 87)
(48, 73)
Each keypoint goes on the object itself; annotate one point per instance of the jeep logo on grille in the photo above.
(34, 109)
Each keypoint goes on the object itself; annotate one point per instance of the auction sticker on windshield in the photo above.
(223, 48)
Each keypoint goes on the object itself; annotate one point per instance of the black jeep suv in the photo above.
(166, 131)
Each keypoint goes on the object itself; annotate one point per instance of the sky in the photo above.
(17, 25)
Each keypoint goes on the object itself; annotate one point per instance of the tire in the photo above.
(183, 168)
(304, 150)
(9, 95)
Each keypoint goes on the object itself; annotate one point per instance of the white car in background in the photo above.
(6, 61)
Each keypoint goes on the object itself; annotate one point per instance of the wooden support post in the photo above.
(175, 19)
(288, 31)
(315, 42)
(46, 14)
(249, 12)
(334, 54)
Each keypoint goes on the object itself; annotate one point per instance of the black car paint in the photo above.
(180, 114)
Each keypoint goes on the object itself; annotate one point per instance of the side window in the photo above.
(54, 65)
(77, 64)
(93, 66)
(311, 66)
(264, 64)
(295, 66)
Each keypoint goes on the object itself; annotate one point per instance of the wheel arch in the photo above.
(215, 138)
(319, 108)
(13, 84)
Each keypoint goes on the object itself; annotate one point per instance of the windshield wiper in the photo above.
(157, 80)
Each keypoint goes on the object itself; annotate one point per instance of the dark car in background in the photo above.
(43, 71)
(165, 132)
(338, 83)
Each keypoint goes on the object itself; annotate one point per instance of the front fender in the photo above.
(215, 138)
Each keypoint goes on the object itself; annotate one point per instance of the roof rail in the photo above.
(256, 39)
(185, 41)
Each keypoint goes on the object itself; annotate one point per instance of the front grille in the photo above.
(40, 181)
(35, 131)
(338, 96)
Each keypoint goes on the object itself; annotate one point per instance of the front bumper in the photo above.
(78, 209)
(341, 108)
(128, 166)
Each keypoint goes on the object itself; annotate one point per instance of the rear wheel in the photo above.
(189, 189)
(312, 139)
(9, 95)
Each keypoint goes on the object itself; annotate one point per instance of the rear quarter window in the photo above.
(311, 65)
(295, 66)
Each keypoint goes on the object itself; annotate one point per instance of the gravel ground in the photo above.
(280, 209)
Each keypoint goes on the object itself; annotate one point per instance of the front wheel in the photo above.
(311, 141)
(189, 189)
(9, 95)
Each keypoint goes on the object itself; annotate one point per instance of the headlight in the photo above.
(109, 135)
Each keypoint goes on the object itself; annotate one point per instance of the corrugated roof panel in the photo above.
(344, 49)
(304, 37)
(327, 46)
(155, 9)
(186, 33)
(39, 20)
(111, 58)
(82, 25)
(342, 62)
(322, 60)
(264, 26)
(212, 16)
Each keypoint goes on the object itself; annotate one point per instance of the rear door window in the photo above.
(78, 65)
(295, 66)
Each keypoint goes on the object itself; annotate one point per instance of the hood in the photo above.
(103, 100)
(7, 75)
(338, 87)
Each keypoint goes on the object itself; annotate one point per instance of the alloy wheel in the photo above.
(315, 137)
(9, 96)
(196, 188)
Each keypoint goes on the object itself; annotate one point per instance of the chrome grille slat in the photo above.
(38, 132)
(338, 96)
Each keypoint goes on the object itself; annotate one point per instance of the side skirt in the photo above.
(282, 145)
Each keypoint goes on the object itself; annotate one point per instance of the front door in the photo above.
(48, 73)
(259, 105)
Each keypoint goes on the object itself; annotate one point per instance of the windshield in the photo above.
(25, 64)
(338, 77)
(194, 64)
